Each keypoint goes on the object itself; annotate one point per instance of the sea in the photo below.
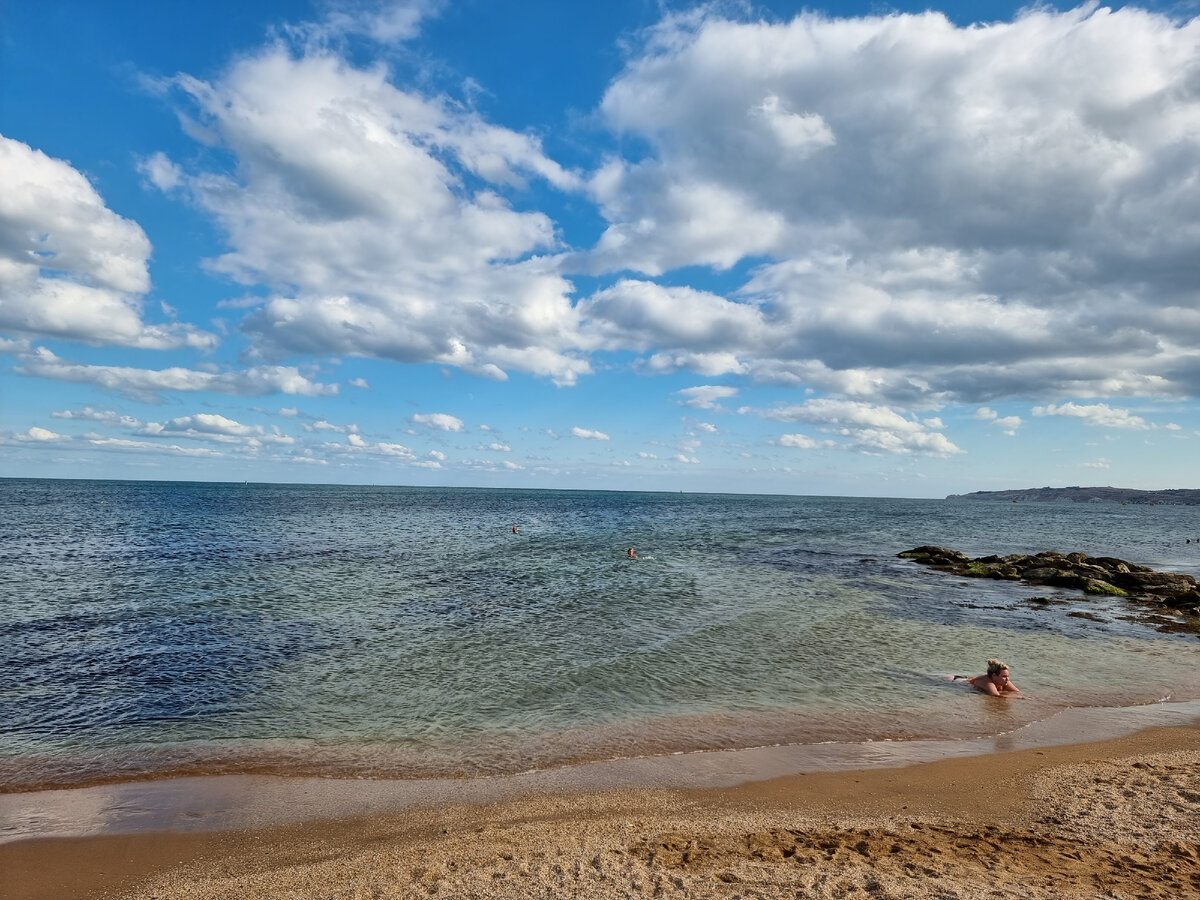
(152, 629)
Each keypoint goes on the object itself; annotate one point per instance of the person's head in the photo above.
(996, 668)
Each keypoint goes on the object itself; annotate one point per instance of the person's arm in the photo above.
(984, 685)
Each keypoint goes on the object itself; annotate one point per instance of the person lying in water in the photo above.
(995, 682)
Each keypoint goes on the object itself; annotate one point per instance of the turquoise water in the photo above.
(150, 628)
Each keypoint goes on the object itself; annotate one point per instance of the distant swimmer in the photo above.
(632, 555)
(514, 529)
(995, 683)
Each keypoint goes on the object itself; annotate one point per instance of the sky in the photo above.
(848, 249)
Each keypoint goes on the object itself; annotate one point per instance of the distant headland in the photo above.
(1175, 497)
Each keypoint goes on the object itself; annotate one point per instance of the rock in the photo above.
(1094, 575)
(1096, 586)
(936, 556)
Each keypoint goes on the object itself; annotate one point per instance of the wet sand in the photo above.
(1113, 819)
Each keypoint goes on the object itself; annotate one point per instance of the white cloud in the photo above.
(160, 172)
(1097, 464)
(803, 442)
(70, 267)
(88, 414)
(645, 315)
(149, 382)
(125, 445)
(218, 428)
(945, 213)
(380, 220)
(684, 458)
(707, 427)
(442, 421)
(1010, 424)
(389, 22)
(1099, 414)
(41, 435)
(383, 449)
(589, 434)
(867, 429)
(324, 425)
(706, 396)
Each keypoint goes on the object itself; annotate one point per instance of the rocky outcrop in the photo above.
(1172, 497)
(1099, 575)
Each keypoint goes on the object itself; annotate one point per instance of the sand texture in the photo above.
(1118, 819)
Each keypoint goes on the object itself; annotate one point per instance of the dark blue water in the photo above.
(149, 627)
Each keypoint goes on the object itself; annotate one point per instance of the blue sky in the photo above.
(853, 249)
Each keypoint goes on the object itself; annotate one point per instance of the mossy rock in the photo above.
(1102, 588)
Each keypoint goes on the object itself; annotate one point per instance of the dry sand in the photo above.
(1115, 819)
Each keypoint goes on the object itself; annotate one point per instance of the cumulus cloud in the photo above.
(71, 268)
(589, 434)
(688, 323)
(1009, 424)
(866, 428)
(219, 429)
(359, 446)
(41, 435)
(148, 383)
(441, 421)
(380, 219)
(208, 427)
(1099, 414)
(160, 172)
(938, 213)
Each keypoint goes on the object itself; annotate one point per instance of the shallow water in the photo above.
(150, 627)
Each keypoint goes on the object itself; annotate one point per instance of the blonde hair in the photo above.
(995, 667)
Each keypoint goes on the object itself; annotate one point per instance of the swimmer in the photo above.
(995, 682)
(514, 529)
(632, 555)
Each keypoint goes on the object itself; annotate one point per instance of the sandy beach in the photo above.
(1112, 819)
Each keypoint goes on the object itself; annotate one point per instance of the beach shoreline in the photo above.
(1070, 819)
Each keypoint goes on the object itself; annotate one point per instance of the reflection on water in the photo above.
(154, 627)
